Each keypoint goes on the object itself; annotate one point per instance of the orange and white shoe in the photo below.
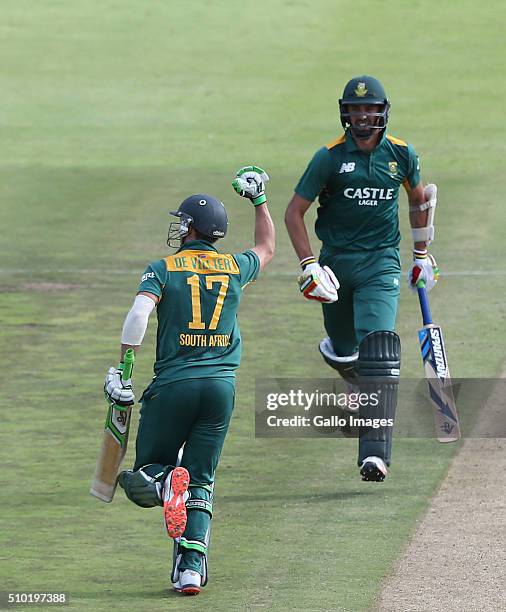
(189, 583)
(174, 495)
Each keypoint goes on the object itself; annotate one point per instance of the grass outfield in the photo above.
(111, 113)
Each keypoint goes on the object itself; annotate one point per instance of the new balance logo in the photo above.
(347, 167)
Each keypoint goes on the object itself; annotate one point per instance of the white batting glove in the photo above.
(250, 182)
(424, 268)
(117, 390)
(317, 283)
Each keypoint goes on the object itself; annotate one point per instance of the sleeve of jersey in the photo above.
(315, 176)
(413, 176)
(249, 266)
(154, 278)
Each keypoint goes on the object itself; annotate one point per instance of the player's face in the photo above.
(364, 119)
(178, 230)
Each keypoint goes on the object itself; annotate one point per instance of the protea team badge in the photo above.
(392, 167)
(360, 90)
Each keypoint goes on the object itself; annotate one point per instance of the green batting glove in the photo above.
(250, 182)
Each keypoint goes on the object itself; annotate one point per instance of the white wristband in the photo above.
(136, 321)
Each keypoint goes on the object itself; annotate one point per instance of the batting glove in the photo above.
(250, 182)
(317, 283)
(118, 391)
(424, 268)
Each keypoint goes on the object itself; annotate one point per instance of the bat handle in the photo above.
(128, 361)
(424, 302)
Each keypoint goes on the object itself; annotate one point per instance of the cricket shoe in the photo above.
(188, 583)
(174, 495)
(373, 469)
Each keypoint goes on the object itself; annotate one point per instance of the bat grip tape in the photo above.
(424, 305)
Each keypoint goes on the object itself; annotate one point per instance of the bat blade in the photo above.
(112, 453)
(446, 421)
(114, 443)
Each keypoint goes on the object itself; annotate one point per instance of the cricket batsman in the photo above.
(357, 178)
(188, 405)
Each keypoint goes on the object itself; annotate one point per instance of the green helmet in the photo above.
(364, 90)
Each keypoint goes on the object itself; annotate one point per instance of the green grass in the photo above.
(111, 114)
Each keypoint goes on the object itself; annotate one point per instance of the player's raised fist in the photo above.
(249, 182)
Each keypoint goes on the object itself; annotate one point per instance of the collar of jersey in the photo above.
(197, 245)
(351, 145)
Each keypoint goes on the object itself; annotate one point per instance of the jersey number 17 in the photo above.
(194, 282)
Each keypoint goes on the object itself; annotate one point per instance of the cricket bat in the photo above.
(446, 420)
(114, 444)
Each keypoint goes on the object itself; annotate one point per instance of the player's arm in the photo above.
(417, 216)
(422, 203)
(149, 293)
(117, 389)
(294, 220)
(265, 235)
(315, 282)
(249, 183)
(310, 185)
(136, 321)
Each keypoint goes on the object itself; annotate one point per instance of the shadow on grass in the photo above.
(119, 594)
(307, 498)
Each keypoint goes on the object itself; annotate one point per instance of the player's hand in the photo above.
(250, 182)
(117, 390)
(423, 268)
(317, 283)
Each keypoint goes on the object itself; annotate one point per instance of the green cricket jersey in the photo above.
(358, 192)
(200, 290)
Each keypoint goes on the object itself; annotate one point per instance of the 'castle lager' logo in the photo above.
(360, 90)
(369, 196)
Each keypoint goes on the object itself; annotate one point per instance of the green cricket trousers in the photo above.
(368, 295)
(195, 412)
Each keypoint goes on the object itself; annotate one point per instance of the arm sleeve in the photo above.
(249, 266)
(154, 278)
(315, 176)
(136, 321)
(413, 176)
